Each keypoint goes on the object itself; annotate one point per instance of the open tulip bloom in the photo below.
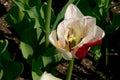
(76, 34)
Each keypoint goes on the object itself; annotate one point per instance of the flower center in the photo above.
(72, 36)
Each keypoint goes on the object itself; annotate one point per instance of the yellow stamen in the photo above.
(61, 46)
(71, 38)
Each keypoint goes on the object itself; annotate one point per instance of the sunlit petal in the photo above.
(48, 76)
(73, 12)
(66, 54)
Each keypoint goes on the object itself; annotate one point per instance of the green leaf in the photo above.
(51, 59)
(4, 51)
(43, 60)
(35, 3)
(96, 51)
(26, 50)
(51, 56)
(11, 70)
(14, 16)
(22, 4)
(85, 7)
(37, 64)
(115, 24)
(89, 9)
(35, 76)
(101, 3)
(3, 46)
(1, 74)
(33, 12)
(43, 10)
(29, 36)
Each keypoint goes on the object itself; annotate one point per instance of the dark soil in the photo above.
(84, 69)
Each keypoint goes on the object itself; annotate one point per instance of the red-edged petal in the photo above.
(94, 43)
(82, 51)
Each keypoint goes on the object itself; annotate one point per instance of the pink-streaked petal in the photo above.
(90, 35)
(94, 35)
(62, 27)
(88, 23)
(98, 35)
(96, 38)
(73, 12)
(53, 39)
(89, 30)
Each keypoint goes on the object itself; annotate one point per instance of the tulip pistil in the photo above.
(70, 39)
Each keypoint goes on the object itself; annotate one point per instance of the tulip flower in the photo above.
(48, 76)
(76, 34)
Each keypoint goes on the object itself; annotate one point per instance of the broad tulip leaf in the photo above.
(36, 68)
(50, 59)
(11, 70)
(33, 12)
(115, 24)
(14, 15)
(43, 60)
(26, 50)
(35, 76)
(29, 36)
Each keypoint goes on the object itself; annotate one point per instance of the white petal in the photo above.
(60, 33)
(99, 34)
(53, 39)
(87, 22)
(73, 12)
(92, 31)
(62, 28)
(90, 28)
(89, 36)
(48, 76)
(66, 54)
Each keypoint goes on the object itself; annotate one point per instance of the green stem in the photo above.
(47, 23)
(106, 61)
(107, 3)
(70, 68)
